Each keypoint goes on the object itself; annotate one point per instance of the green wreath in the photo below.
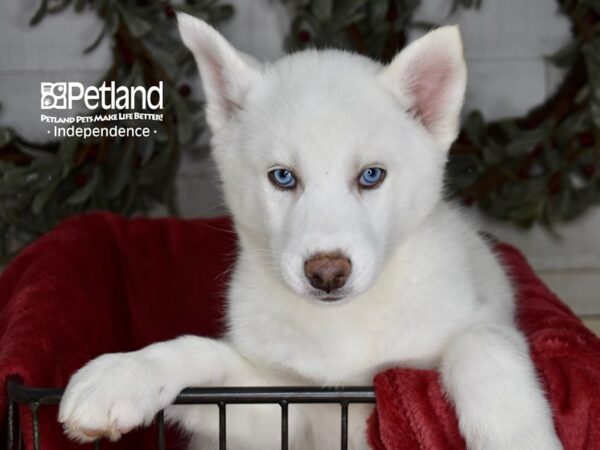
(540, 168)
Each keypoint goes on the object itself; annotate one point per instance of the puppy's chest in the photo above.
(347, 348)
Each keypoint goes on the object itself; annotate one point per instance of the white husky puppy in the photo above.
(349, 259)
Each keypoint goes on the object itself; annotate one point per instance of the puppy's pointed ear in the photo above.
(226, 74)
(428, 78)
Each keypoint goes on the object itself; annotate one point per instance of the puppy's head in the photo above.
(328, 159)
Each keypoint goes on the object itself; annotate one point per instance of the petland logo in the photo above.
(62, 95)
(105, 103)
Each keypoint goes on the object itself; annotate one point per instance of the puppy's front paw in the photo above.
(112, 395)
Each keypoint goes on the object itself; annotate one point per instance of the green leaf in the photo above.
(462, 171)
(592, 62)
(156, 169)
(83, 194)
(349, 6)
(523, 144)
(20, 177)
(128, 206)
(467, 4)
(492, 153)
(475, 126)
(6, 136)
(96, 41)
(582, 95)
(551, 158)
(113, 21)
(559, 204)
(123, 173)
(165, 58)
(40, 200)
(424, 25)
(377, 11)
(66, 154)
(57, 7)
(38, 154)
(525, 214)
(181, 55)
(574, 123)
(322, 9)
(80, 5)
(40, 13)
(566, 55)
(146, 150)
(594, 4)
(99, 4)
(138, 26)
(510, 128)
(221, 13)
(184, 119)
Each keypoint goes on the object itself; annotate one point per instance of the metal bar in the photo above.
(36, 426)
(19, 436)
(160, 422)
(275, 395)
(222, 426)
(284, 425)
(10, 436)
(344, 445)
(26, 395)
(190, 396)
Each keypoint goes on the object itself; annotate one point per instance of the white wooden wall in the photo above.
(505, 44)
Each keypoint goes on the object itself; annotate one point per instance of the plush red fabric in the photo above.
(101, 283)
(413, 412)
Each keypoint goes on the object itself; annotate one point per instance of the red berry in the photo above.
(391, 15)
(127, 56)
(303, 36)
(462, 138)
(523, 173)
(537, 151)
(92, 152)
(555, 183)
(80, 179)
(169, 11)
(589, 170)
(184, 90)
(586, 139)
(532, 123)
(468, 201)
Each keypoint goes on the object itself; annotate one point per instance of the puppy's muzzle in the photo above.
(327, 271)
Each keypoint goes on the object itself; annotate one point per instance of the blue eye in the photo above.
(282, 178)
(371, 177)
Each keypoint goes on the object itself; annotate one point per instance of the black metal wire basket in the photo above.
(36, 398)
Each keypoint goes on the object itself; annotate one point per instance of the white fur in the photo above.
(425, 290)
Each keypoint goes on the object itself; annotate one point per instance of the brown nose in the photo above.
(327, 271)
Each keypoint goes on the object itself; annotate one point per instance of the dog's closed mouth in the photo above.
(331, 299)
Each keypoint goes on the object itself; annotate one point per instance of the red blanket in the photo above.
(100, 283)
